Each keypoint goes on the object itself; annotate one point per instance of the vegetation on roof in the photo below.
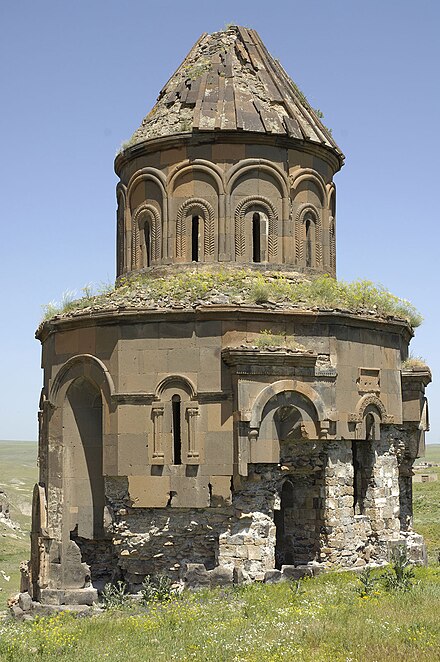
(414, 362)
(191, 288)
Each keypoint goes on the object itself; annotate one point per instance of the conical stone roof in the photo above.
(230, 82)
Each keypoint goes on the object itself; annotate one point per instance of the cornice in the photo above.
(329, 155)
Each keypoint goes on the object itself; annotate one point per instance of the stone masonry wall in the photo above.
(243, 536)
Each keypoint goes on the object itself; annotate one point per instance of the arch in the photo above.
(138, 222)
(145, 174)
(175, 381)
(121, 199)
(240, 168)
(121, 189)
(174, 415)
(81, 365)
(240, 230)
(191, 205)
(305, 212)
(198, 164)
(278, 387)
(331, 195)
(371, 401)
(158, 178)
(83, 473)
(369, 404)
(332, 232)
(304, 174)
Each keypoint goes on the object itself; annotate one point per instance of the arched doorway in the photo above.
(290, 419)
(83, 480)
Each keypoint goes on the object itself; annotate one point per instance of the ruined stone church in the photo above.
(170, 442)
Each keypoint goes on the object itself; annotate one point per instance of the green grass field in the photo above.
(18, 474)
(325, 620)
(426, 503)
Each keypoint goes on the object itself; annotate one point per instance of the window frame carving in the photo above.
(303, 214)
(143, 214)
(268, 208)
(187, 210)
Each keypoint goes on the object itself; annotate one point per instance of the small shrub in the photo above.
(414, 362)
(157, 589)
(400, 577)
(260, 292)
(367, 583)
(268, 339)
(114, 596)
(296, 587)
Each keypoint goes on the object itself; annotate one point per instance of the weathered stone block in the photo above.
(296, 572)
(84, 596)
(221, 576)
(51, 596)
(196, 576)
(25, 601)
(149, 491)
(274, 577)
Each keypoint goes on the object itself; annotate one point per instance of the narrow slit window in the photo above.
(177, 435)
(195, 239)
(147, 238)
(256, 238)
(369, 427)
(309, 230)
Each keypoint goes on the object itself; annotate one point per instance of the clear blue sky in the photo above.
(78, 77)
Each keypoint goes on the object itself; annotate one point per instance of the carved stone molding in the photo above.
(300, 237)
(240, 230)
(365, 402)
(146, 213)
(209, 226)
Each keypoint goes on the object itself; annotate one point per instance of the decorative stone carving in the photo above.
(193, 454)
(303, 211)
(146, 213)
(240, 230)
(369, 380)
(209, 226)
(158, 455)
(366, 401)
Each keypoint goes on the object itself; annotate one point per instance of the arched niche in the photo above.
(146, 186)
(369, 416)
(256, 230)
(290, 391)
(307, 185)
(288, 416)
(147, 236)
(174, 415)
(121, 230)
(256, 188)
(196, 236)
(84, 494)
(332, 226)
(308, 236)
(255, 170)
(146, 190)
(194, 191)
